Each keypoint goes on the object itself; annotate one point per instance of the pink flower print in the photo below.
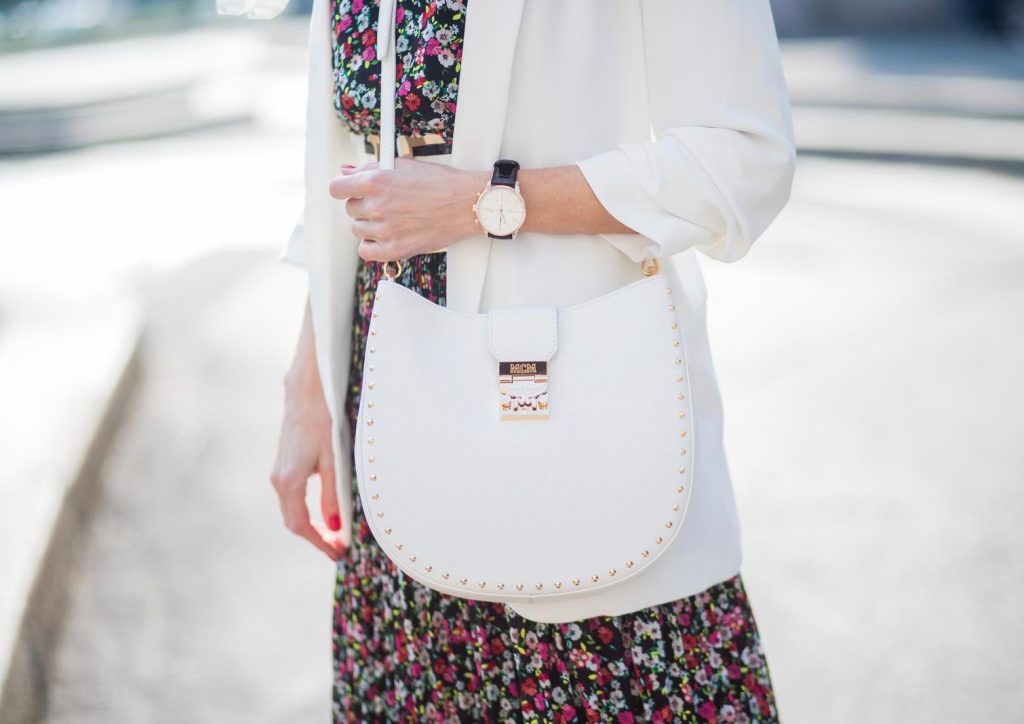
(432, 46)
(664, 714)
(707, 712)
(578, 658)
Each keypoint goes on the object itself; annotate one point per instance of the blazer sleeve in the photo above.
(294, 249)
(721, 164)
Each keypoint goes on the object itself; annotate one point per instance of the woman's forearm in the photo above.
(302, 375)
(304, 449)
(558, 201)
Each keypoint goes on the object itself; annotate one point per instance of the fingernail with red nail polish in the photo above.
(334, 522)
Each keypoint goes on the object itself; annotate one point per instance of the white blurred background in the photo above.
(869, 350)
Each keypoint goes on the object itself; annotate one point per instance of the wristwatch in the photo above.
(500, 209)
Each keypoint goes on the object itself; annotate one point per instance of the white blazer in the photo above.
(677, 114)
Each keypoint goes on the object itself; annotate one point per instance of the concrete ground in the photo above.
(868, 351)
(193, 603)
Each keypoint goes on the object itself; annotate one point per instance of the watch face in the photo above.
(501, 210)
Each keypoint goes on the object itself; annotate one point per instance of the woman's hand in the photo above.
(415, 208)
(304, 450)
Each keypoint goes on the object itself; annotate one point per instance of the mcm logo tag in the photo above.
(523, 388)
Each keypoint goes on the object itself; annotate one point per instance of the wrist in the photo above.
(302, 379)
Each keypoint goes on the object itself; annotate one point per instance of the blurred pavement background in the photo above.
(868, 348)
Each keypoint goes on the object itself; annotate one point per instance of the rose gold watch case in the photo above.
(487, 188)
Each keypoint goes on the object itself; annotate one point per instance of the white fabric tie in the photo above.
(386, 29)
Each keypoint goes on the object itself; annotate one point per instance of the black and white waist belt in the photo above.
(429, 144)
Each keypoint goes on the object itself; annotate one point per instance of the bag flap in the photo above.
(523, 333)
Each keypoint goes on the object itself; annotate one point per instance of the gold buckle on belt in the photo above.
(405, 143)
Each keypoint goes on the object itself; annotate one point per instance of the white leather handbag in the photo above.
(528, 451)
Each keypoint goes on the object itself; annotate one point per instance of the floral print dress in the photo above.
(405, 652)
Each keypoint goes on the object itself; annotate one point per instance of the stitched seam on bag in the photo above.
(554, 334)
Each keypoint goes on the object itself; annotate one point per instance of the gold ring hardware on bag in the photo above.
(398, 269)
(649, 267)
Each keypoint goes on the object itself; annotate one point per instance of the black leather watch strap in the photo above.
(505, 172)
